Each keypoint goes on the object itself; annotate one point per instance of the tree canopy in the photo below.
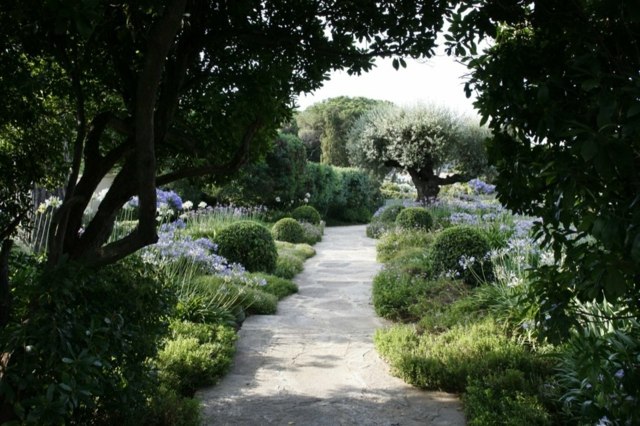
(163, 90)
(431, 143)
(324, 127)
(559, 88)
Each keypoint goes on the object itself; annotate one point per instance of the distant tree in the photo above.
(559, 89)
(324, 127)
(433, 144)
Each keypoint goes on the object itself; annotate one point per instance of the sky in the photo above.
(438, 80)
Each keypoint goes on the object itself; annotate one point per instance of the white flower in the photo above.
(306, 200)
(277, 199)
(202, 205)
(187, 205)
(307, 195)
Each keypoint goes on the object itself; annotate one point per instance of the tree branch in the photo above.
(236, 162)
(158, 45)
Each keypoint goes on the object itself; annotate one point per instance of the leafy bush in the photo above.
(454, 308)
(414, 261)
(401, 297)
(279, 287)
(301, 251)
(306, 214)
(186, 364)
(249, 244)
(598, 370)
(448, 360)
(414, 218)
(288, 266)
(322, 183)
(288, 230)
(377, 228)
(462, 251)
(312, 233)
(395, 242)
(79, 339)
(274, 182)
(167, 407)
(343, 195)
(390, 213)
(504, 398)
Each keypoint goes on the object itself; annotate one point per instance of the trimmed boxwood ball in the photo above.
(249, 244)
(306, 214)
(288, 230)
(414, 218)
(390, 214)
(459, 245)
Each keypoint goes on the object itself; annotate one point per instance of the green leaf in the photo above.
(396, 64)
(67, 360)
(614, 284)
(635, 249)
(634, 110)
(50, 392)
(65, 387)
(590, 84)
(589, 149)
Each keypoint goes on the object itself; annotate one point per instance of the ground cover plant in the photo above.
(483, 338)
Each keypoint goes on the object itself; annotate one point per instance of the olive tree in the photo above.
(432, 143)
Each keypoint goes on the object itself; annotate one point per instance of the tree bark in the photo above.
(428, 184)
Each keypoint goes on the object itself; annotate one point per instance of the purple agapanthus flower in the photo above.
(481, 187)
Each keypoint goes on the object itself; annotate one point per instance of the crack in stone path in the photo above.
(313, 363)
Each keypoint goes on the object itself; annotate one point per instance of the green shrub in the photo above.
(262, 302)
(279, 287)
(205, 333)
(249, 244)
(390, 213)
(322, 183)
(448, 360)
(414, 261)
(167, 407)
(597, 370)
(306, 214)
(358, 197)
(288, 230)
(185, 364)
(463, 251)
(414, 218)
(401, 297)
(312, 233)
(504, 398)
(301, 251)
(440, 318)
(288, 266)
(271, 182)
(395, 242)
(79, 339)
(377, 228)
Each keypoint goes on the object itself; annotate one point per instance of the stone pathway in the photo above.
(314, 362)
